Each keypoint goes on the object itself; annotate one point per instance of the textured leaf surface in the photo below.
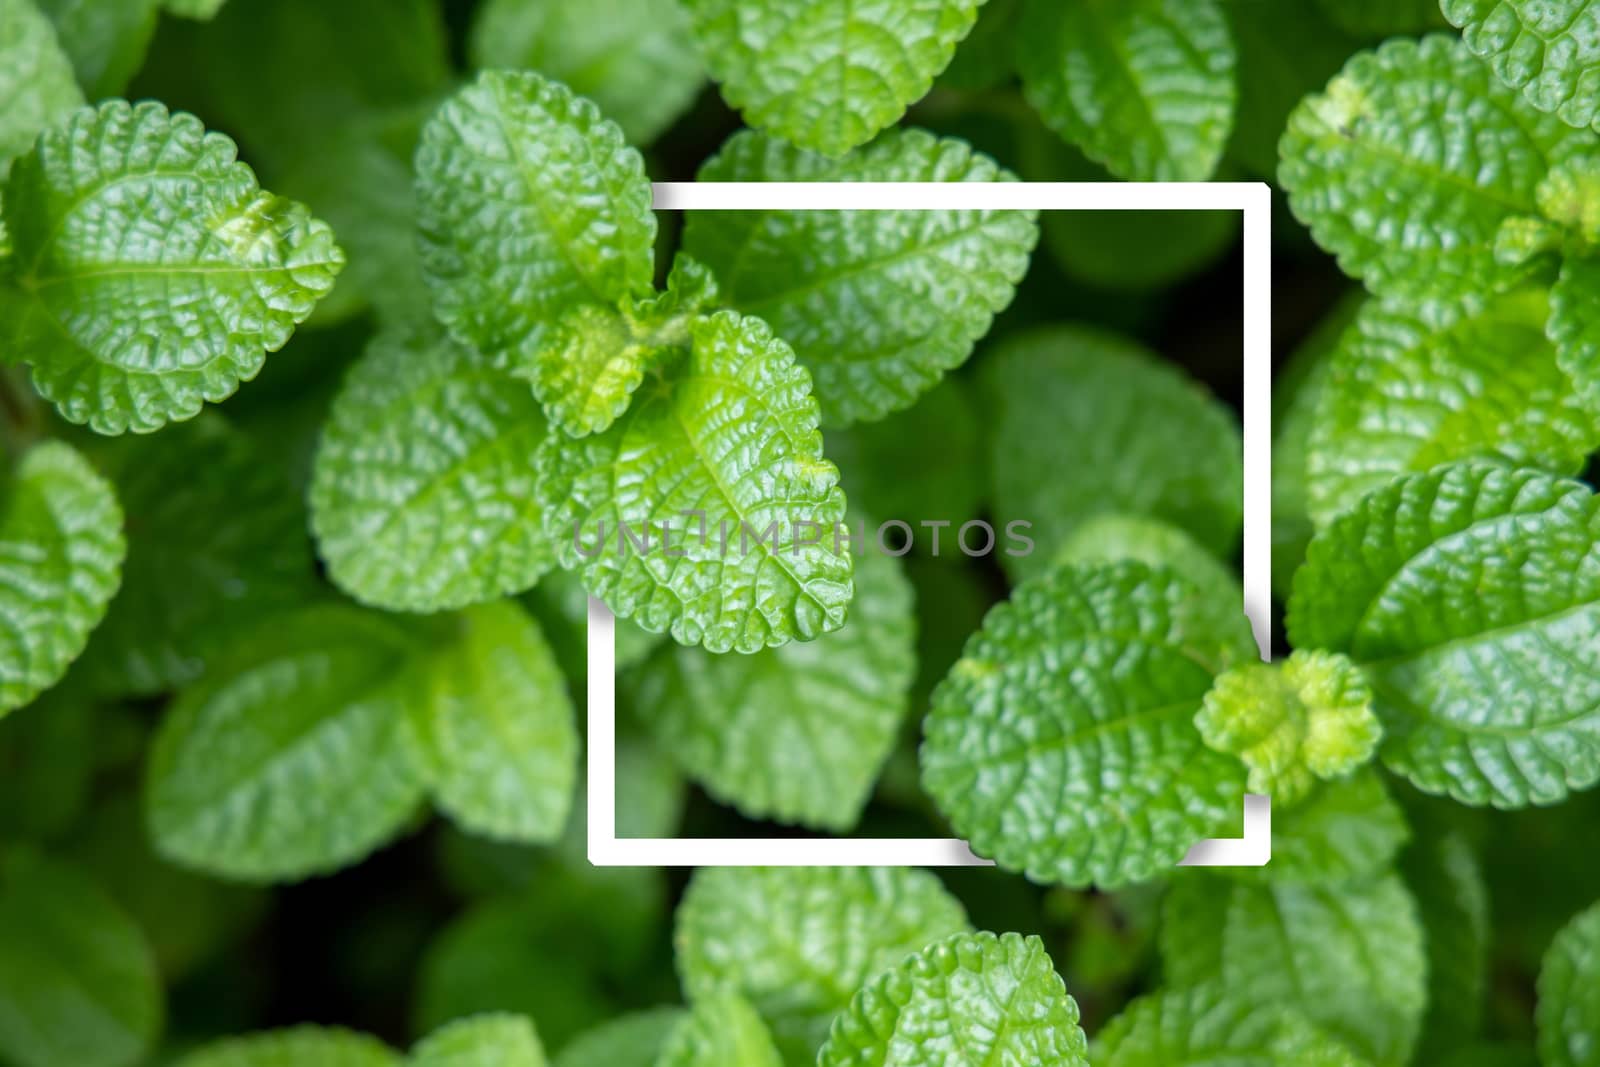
(1548, 50)
(1291, 723)
(1349, 828)
(721, 1031)
(1569, 995)
(292, 759)
(1062, 744)
(1575, 324)
(36, 79)
(1471, 596)
(968, 1001)
(211, 545)
(828, 75)
(725, 450)
(1406, 166)
(151, 272)
(1147, 441)
(1349, 957)
(1204, 1026)
(296, 1047)
(483, 1041)
(634, 58)
(798, 942)
(877, 304)
(797, 733)
(1109, 538)
(497, 738)
(423, 491)
(78, 983)
(529, 202)
(633, 1040)
(1408, 390)
(920, 465)
(1145, 87)
(61, 550)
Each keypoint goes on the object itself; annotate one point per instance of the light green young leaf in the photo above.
(1145, 87)
(877, 304)
(1548, 51)
(634, 58)
(105, 39)
(1453, 903)
(1110, 537)
(1348, 957)
(529, 202)
(797, 733)
(920, 465)
(299, 1046)
(151, 273)
(1148, 440)
(212, 545)
(61, 552)
(482, 1041)
(723, 450)
(1062, 744)
(1292, 723)
(1569, 995)
(423, 490)
(594, 358)
(968, 1001)
(797, 942)
(36, 80)
(1409, 197)
(1346, 829)
(1204, 1025)
(722, 1030)
(293, 758)
(496, 736)
(1574, 323)
(827, 75)
(1409, 389)
(627, 1041)
(78, 983)
(1469, 596)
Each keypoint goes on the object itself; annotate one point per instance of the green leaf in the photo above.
(1145, 87)
(1470, 597)
(423, 490)
(1348, 828)
(797, 942)
(151, 272)
(1548, 51)
(920, 466)
(1497, 1055)
(1109, 538)
(78, 983)
(1410, 389)
(877, 304)
(586, 371)
(194, 9)
(105, 39)
(298, 1046)
(827, 75)
(211, 546)
(496, 735)
(724, 451)
(293, 758)
(1062, 744)
(1574, 325)
(36, 80)
(968, 1001)
(529, 202)
(797, 733)
(483, 1041)
(1148, 441)
(1569, 995)
(61, 551)
(634, 58)
(1453, 903)
(721, 1031)
(1292, 723)
(1349, 957)
(633, 1040)
(1204, 1025)
(1406, 195)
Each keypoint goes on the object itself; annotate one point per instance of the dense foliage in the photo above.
(343, 358)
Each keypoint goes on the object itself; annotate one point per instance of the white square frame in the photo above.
(1254, 201)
